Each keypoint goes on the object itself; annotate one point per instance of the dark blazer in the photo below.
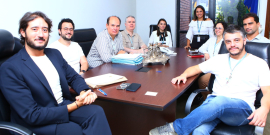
(30, 97)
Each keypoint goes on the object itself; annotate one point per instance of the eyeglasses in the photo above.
(66, 29)
(218, 28)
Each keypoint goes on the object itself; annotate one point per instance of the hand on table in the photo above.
(187, 47)
(163, 45)
(206, 56)
(179, 79)
(80, 73)
(121, 52)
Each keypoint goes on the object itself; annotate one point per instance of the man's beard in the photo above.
(240, 50)
(251, 32)
(65, 38)
(32, 44)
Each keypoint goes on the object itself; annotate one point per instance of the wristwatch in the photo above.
(83, 71)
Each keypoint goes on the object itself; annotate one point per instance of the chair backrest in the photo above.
(261, 50)
(85, 38)
(6, 45)
(9, 46)
(223, 48)
(153, 27)
(6, 51)
(18, 46)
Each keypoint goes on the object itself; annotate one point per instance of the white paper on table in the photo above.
(149, 93)
(103, 79)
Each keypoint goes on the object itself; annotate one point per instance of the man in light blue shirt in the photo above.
(108, 43)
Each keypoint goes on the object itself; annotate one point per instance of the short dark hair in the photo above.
(234, 29)
(256, 18)
(194, 12)
(224, 24)
(65, 20)
(108, 19)
(29, 16)
(165, 30)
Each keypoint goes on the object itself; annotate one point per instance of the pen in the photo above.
(101, 91)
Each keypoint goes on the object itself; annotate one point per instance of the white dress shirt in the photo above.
(154, 38)
(259, 39)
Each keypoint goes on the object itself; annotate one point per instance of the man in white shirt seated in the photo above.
(239, 75)
(132, 41)
(71, 51)
(251, 25)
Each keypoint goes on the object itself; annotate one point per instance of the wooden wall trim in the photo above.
(267, 22)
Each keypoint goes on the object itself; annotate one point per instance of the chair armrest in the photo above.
(191, 99)
(15, 128)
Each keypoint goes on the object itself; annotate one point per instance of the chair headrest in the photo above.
(261, 50)
(6, 43)
(153, 27)
(84, 35)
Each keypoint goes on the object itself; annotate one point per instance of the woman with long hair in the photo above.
(200, 29)
(161, 35)
(210, 49)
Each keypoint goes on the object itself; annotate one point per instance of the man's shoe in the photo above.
(163, 130)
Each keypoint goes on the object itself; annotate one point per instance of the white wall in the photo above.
(150, 11)
(93, 13)
(84, 13)
(262, 5)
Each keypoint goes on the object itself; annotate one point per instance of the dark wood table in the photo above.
(134, 113)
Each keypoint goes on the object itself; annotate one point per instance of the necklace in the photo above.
(230, 77)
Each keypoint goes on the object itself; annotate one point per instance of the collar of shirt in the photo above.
(258, 37)
(129, 34)
(109, 36)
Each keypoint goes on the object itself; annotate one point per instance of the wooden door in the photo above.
(267, 22)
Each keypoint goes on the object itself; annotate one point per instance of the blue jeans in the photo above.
(214, 109)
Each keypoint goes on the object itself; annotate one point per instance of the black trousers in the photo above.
(87, 120)
(197, 45)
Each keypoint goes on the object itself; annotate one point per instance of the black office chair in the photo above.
(261, 50)
(85, 38)
(8, 48)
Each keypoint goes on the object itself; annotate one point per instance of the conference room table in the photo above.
(134, 113)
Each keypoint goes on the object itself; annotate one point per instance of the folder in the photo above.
(104, 80)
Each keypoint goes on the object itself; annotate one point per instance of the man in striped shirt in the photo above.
(108, 43)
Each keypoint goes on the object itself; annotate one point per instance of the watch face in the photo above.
(83, 71)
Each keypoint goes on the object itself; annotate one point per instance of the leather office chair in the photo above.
(261, 50)
(85, 38)
(8, 48)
